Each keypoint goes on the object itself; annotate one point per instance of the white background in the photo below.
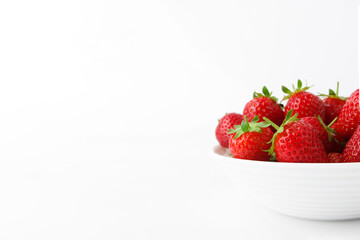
(108, 111)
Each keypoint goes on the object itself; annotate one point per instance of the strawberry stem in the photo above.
(332, 93)
(271, 123)
(333, 121)
(331, 132)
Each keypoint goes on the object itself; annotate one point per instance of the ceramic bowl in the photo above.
(316, 191)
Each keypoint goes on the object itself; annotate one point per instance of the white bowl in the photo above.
(316, 191)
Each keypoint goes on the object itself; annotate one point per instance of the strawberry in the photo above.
(349, 117)
(336, 145)
(335, 157)
(225, 123)
(264, 105)
(250, 140)
(303, 103)
(296, 141)
(352, 149)
(333, 104)
(324, 133)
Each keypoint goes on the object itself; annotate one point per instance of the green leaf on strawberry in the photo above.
(333, 94)
(279, 129)
(246, 126)
(295, 90)
(265, 93)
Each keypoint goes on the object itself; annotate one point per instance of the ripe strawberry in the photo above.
(352, 149)
(335, 157)
(336, 145)
(333, 104)
(349, 117)
(295, 141)
(225, 123)
(324, 133)
(303, 103)
(249, 140)
(264, 105)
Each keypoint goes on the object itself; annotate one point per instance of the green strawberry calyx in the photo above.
(331, 132)
(297, 89)
(246, 126)
(279, 129)
(333, 94)
(265, 93)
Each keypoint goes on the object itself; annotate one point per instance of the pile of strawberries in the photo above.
(307, 130)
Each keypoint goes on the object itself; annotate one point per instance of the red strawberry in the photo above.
(333, 104)
(335, 157)
(250, 140)
(264, 105)
(352, 149)
(324, 133)
(225, 123)
(295, 141)
(336, 145)
(303, 103)
(349, 117)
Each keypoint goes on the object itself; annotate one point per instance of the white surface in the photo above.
(311, 191)
(103, 188)
(108, 110)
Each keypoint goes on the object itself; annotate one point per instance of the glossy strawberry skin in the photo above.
(306, 105)
(333, 108)
(352, 149)
(264, 107)
(349, 118)
(251, 145)
(299, 143)
(330, 146)
(317, 128)
(227, 122)
(335, 157)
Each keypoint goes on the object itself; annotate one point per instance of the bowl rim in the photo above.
(227, 159)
